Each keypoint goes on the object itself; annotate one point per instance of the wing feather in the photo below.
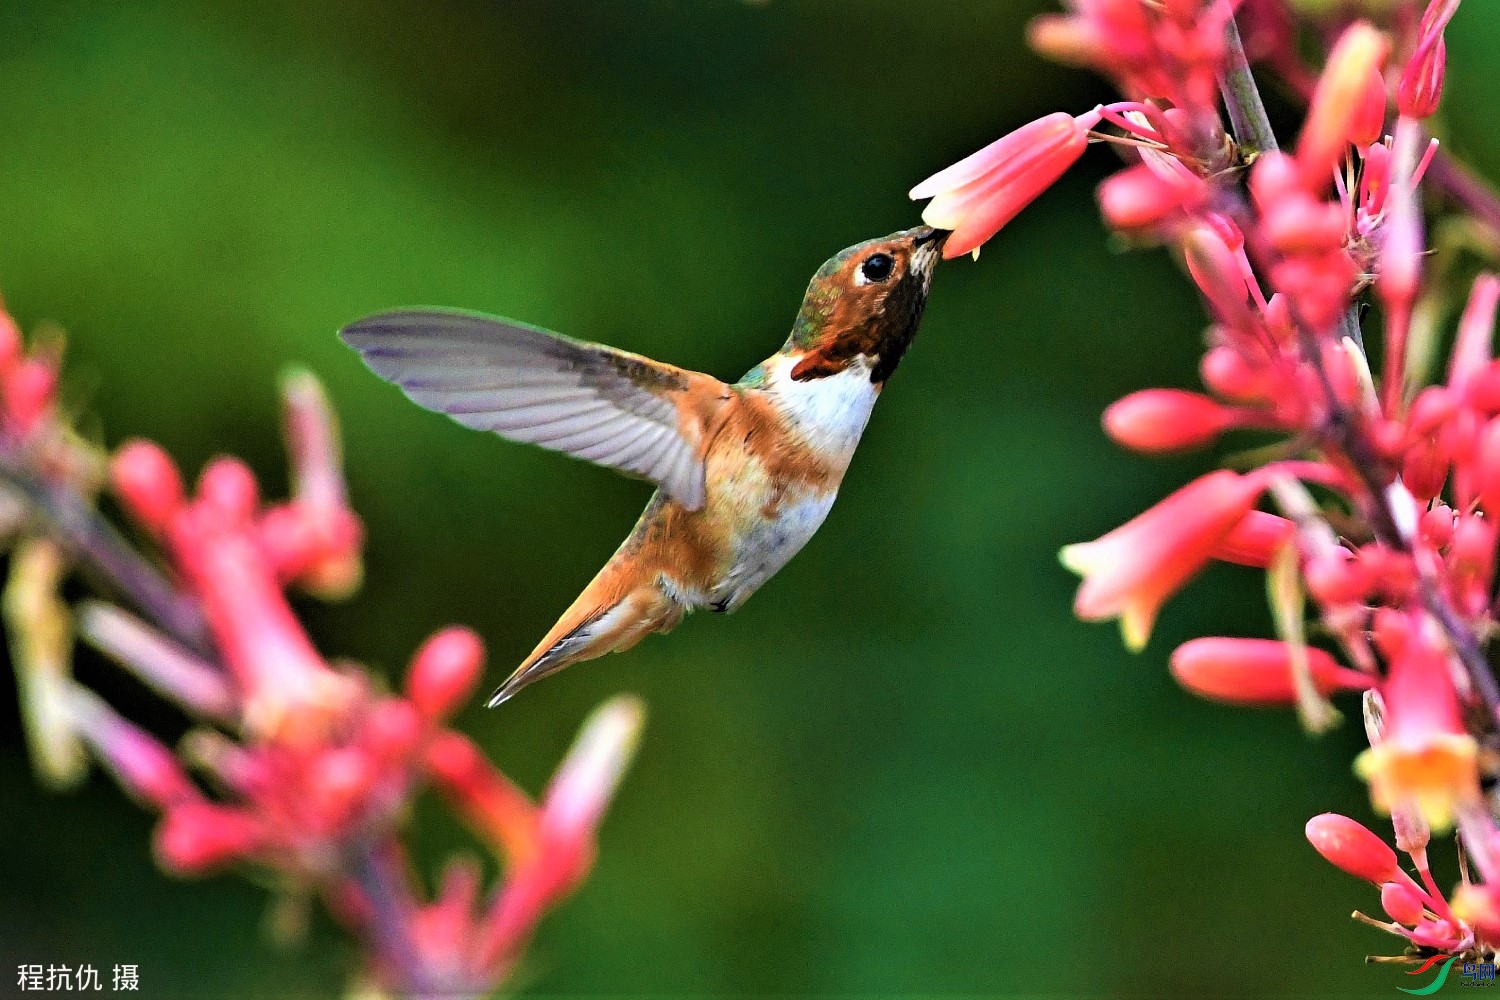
(593, 402)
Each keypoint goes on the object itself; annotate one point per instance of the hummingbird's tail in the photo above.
(613, 613)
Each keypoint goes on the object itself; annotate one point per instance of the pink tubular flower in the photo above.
(981, 193)
(288, 689)
(1474, 346)
(313, 540)
(1256, 671)
(1479, 907)
(1351, 847)
(1426, 755)
(309, 770)
(1349, 96)
(491, 805)
(571, 809)
(1130, 572)
(1393, 556)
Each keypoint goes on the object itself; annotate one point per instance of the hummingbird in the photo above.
(745, 472)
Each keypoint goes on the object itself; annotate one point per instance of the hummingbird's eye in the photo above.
(877, 267)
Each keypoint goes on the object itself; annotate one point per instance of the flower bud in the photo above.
(228, 487)
(1348, 98)
(30, 388)
(1140, 197)
(147, 483)
(1432, 407)
(1217, 273)
(1162, 420)
(1338, 578)
(1471, 562)
(1227, 373)
(588, 775)
(1436, 526)
(1401, 902)
(1425, 468)
(1255, 540)
(1473, 347)
(1351, 847)
(444, 671)
(141, 763)
(1421, 86)
(1274, 179)
(1484, 388)
(195, 837)
(196, 685)
(1255, 671)
(1367, 126)
(1064, 39)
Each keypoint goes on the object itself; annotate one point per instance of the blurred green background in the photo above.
(902, 768)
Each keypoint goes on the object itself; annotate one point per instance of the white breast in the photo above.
(767, 545)
(828, 413)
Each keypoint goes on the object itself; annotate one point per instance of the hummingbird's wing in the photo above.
(617, 409)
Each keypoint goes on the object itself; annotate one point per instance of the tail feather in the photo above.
(606, 617)
(550, 655)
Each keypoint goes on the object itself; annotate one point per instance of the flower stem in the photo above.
(87, 536)
(1247, 112)
(371, 868)
(1252, 130)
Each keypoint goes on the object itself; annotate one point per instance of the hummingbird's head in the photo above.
(866, 303)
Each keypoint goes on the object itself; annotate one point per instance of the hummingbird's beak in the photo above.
(927, 235)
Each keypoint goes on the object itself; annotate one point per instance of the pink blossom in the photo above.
(1130, 572)
(978, 195)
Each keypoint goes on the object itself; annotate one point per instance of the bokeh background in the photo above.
(903, 767)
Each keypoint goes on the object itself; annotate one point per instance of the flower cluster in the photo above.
(298, 767)
(1384, 485)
